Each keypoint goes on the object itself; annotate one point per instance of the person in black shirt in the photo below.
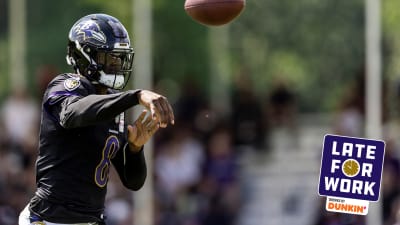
(83, 129)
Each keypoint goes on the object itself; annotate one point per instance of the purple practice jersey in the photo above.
(81, 135)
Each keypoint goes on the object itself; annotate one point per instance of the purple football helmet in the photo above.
(99, 48)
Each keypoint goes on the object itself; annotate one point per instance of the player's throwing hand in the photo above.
(159, 107)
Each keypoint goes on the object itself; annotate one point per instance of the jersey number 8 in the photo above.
(110, 149)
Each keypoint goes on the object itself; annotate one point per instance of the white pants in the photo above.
(24, 220)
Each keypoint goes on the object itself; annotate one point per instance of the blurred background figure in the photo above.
(221, 183)
(20, 116)
(282, 105)
(248, 121)
(19, 124)
(350, 113)
(391, 184)
(281, 112)
(178, 171)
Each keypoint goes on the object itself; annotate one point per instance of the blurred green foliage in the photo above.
(317, 46)
(180, 44)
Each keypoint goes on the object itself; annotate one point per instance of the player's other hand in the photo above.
(159, 107)
(141, 131)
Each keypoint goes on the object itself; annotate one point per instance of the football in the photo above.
(214, 12)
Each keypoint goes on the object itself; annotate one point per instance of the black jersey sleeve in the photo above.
(73, 102)
(131, 168)
(79, 111)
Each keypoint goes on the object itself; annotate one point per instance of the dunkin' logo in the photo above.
(346, 207)
(350, 206)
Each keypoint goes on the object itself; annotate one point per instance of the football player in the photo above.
(83, 130)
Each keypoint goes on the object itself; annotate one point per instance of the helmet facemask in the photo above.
(114, 67)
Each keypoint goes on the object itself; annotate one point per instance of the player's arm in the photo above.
(131, 167)
(130, 164)
(79, 111)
